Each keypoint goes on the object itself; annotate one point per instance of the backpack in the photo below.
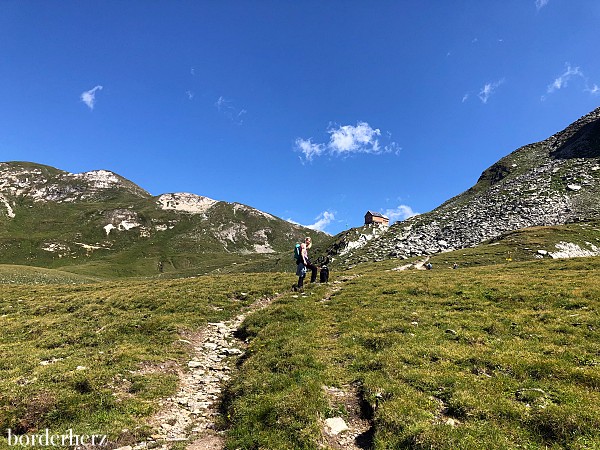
(324, 275)
(297, 253)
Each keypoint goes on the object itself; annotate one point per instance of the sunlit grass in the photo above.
(491, 357)
(71, 353)
(501, 356)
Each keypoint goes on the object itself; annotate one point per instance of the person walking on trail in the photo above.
(304, 264)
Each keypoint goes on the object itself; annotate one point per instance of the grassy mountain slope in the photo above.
(98, 223)
(15, 274)
(500, 353)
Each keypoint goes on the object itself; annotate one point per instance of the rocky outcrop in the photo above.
(572, 250)
(47, 184)
(185, 202)
(553, 182)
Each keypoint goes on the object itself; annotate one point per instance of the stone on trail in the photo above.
(336, 425)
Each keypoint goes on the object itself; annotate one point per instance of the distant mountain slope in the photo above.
(103, 222)
(44, 183)
(553, 182)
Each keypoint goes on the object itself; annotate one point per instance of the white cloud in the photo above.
(89, 97)
(230, 110)
(221, 103)
(309, 149)
(539, 4)
(465, 97)
(359, 139)
(348, 139)
(392, 147)
(488, 89)
(190, 94)
(563, 79)
(594, 90)
(322, 220)
(570, 73)
(402, 212)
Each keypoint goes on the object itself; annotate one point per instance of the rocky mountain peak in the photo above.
(579, 140)
(553, 182)
(46, 184)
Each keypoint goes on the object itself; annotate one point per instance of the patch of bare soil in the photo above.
(352, 429)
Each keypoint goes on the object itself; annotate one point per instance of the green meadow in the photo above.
(96, 357)
(503, 356)
(500, 356)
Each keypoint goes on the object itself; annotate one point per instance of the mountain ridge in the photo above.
(53, 218)
(551, 182)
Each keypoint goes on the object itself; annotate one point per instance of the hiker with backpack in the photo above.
(303, 263)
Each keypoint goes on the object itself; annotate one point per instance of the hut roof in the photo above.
(376, 214)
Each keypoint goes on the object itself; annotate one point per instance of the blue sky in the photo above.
(314, 111)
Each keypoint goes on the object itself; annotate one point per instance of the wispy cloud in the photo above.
(539, 4)
(310, 149)
(89, 97)
(594, 90)
(571, 73)
(402, 212)
(488, 89)
(564, 78)
(190, 94)
(346, 140)
(229, 109)
(322, 220)
(485, 92)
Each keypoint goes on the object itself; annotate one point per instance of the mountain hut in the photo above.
(377, 218)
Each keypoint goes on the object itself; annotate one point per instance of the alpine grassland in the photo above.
(498, 356)
(95, 357)
(501, 356)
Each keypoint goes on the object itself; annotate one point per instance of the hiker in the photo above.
(304, 264)
(301, 273)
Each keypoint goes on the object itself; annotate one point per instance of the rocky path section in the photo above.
(190, 415)
(356, 431)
